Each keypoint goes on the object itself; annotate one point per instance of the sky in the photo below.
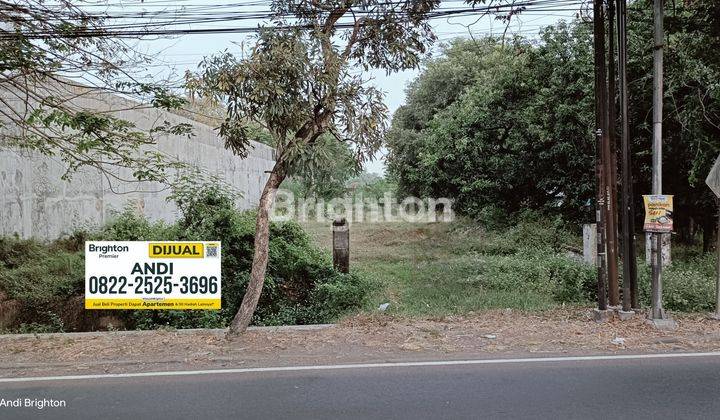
(173, 56)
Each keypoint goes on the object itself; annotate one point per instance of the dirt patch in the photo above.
(357, 339)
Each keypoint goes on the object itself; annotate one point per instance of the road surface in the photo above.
(677, 387)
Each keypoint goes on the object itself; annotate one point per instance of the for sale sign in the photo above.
(152, 275)
(658, 213)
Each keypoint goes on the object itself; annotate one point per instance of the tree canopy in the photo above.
(47, 69)
(299, 81)
(505, 126)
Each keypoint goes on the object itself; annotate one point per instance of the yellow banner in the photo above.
(152, 304)
(175, 250)
(658, 213)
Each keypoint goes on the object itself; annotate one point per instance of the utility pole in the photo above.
(600, 136)
(656, 244)
(628, 241)
(610, 160)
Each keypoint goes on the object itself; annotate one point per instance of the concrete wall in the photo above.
(35, 202)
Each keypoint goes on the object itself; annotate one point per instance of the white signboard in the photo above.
(152, 275)
(713, 178)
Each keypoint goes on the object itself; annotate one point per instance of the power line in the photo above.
(168, 26)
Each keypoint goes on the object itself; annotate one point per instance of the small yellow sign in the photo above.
(658, 213)
(176, 250)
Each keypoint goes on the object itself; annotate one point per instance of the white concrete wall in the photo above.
(35, 202)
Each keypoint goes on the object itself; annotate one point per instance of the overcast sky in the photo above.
(176, 55)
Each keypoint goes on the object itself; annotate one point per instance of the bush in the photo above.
(299, 280)
(301, 286)
(531, 255)
(566, 280)
(688, 286)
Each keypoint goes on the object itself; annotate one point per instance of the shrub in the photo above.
(688, 286)
(567, 281)
(301, 285)
(129, 226)
(41, 277)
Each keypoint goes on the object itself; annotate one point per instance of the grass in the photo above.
(444, 269)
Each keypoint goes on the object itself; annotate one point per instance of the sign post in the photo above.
(713, 181)
(658, 221)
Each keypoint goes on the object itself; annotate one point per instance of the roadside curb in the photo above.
(214, 331)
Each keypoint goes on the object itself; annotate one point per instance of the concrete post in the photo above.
(589, 243)
(341, 245)
(657, 309)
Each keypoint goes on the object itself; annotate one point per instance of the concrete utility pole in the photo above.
(610, 159)
(628, 232)
(658, 13)
(600, 139)
(656, 250)
(341, 245)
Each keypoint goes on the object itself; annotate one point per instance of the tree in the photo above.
(500, 132)
(691, 126)
(52, 56)
(299, 82)
(323, 170)
(508, 125)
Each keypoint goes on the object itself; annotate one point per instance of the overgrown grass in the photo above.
(688, 284)
(441, 269)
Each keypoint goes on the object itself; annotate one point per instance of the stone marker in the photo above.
(589, 243)
(341, 245)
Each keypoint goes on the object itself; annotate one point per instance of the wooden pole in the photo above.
(600, 135)
(610, 159)
(341, 245)
(627, 213)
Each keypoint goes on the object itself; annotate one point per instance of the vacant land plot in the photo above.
(438, 269)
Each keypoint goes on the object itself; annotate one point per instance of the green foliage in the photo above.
(371, 186)
(54, 122)
(323, 170)
(52, 324)
(300, 84)
(688, 285)
(41, 277)
(36, 273)
(502, 127)
(691, 109)
(129, 226)
(302, 286)
(504, 131)
(531, 255)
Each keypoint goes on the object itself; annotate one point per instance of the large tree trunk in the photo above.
(260, 258)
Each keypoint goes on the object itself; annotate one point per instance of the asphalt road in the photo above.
(644, 388)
